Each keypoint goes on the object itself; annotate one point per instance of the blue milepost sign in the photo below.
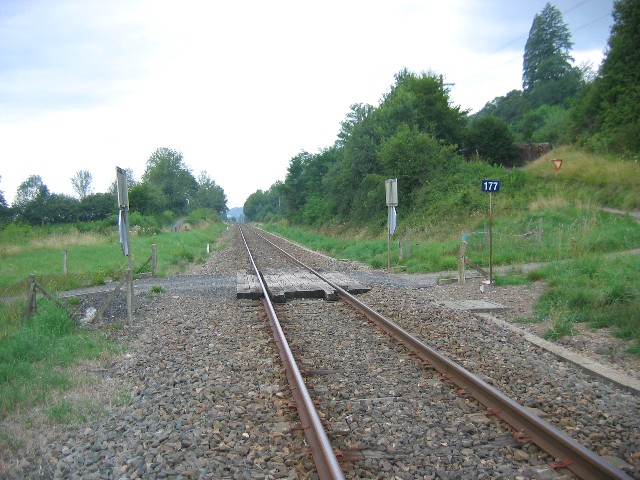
(490, 186)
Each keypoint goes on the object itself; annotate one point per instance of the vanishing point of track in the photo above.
(526, 426)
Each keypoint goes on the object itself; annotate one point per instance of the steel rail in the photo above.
(323, 455)
(529, 427)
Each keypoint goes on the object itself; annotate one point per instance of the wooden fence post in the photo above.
(154, 260)
(31, 296)
(408, 242)
(64, 263)
(540, 229)
(463, 247)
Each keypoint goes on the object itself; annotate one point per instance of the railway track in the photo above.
(202, 394)
(427, 410)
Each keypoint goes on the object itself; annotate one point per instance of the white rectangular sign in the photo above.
(391, 189)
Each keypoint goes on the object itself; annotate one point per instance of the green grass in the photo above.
(601, 291)
(611, 181)
(35, 357)
(515, 240)
(92, 259)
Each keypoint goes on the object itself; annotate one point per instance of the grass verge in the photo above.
(601, 291)
(34, 358)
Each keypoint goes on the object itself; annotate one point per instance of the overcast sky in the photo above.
(239, 87)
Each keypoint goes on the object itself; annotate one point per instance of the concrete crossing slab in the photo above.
(478, 306)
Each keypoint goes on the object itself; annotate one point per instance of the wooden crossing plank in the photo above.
(247, 286)
(295, 284)
(276, 288)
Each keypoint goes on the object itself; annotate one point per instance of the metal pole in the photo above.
(490, 240)
(131, 304)
(389, 239)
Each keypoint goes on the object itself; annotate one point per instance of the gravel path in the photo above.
(199, 391)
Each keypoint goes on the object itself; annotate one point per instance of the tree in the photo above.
(264, 206)
(5, 211)
(47, 208)
(607, 115)
(546, 53)
(413, 158)
(210, 195)
(510, 107)
(113, 188)
(81, 183)
(97, 206)
(166, 170)
(29, 190)
(147, 199)
(423, 100)
(490, 138)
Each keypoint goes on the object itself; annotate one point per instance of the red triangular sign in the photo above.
(557, 162)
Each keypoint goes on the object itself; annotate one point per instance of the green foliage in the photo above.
(546, 53)
(606, 117)
(64, 412)
(167, 171)
(315, 210)
(429, 108)
(209, 195)
(405, 137)
(561, 323)
(143, 225)
(490, 138)
(29, 190)
(81, 183)
(261, 206)
(147, 199)
(369, 201)
(510, 108)
(202, 215)
(33, 356)
(414, 158)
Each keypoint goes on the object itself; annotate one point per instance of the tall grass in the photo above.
(33, 357)
(612, 181)
(515, 240)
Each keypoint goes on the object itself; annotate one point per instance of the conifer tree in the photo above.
(546, 53)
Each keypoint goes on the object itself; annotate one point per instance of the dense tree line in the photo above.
(416, 135)
(167, 185)
(560, 103)
(412, 134)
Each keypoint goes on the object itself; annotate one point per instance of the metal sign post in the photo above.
(391, 191)
(491, 186)
(123, 227)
